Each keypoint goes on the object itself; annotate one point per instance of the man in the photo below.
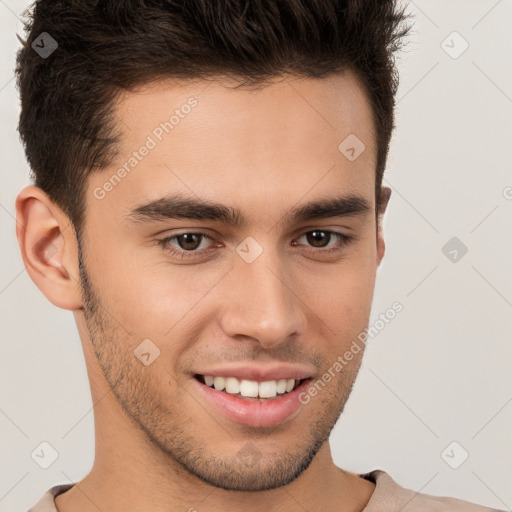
(208, 203)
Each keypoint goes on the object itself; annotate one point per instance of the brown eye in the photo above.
(189, 241)
(318, 238)
(324, 242)
(186, 244)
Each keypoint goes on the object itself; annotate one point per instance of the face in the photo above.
(231, 271)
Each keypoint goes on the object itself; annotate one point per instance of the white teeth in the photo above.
(268, 389)
(219, 383)
(232, 385)
(281, 386)
(250, 388)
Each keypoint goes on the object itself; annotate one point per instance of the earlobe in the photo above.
(48, 247)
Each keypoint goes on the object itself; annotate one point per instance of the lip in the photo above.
(253, 413)
(261, 373)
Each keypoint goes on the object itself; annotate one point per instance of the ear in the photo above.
(385, 194)
(48, 247)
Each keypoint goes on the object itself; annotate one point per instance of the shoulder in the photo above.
(47, 502)
(389, 496)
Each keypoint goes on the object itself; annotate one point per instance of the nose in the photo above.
(261, 302)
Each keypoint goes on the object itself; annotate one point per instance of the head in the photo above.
(220, 172)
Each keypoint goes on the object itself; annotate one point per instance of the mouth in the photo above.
(250, 390)
(249, 402)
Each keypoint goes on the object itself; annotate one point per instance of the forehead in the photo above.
(247, 145)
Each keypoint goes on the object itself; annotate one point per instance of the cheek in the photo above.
(346, 306)
(342, 294)
(349, 282)
(149, 295)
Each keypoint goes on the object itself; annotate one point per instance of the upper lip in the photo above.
(258, 373)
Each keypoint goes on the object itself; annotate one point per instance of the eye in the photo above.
(188, 242)
(320, 238)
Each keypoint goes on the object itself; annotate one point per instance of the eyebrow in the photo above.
(178, 206)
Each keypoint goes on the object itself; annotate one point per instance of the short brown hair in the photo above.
(105, 46)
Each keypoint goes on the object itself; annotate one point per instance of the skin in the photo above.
(159, 445)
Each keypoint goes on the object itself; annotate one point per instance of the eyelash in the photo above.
(344, 240)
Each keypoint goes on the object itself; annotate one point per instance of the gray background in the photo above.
(437, 373)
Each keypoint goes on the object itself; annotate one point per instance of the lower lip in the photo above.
(251, 412)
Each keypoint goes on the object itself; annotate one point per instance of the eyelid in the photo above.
(334, 234)
(166, 242)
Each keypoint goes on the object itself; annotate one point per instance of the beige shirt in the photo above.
(388, 496)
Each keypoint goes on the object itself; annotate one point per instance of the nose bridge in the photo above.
(262, 303)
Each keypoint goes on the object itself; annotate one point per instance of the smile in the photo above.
(248, 402)
(250, 389)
